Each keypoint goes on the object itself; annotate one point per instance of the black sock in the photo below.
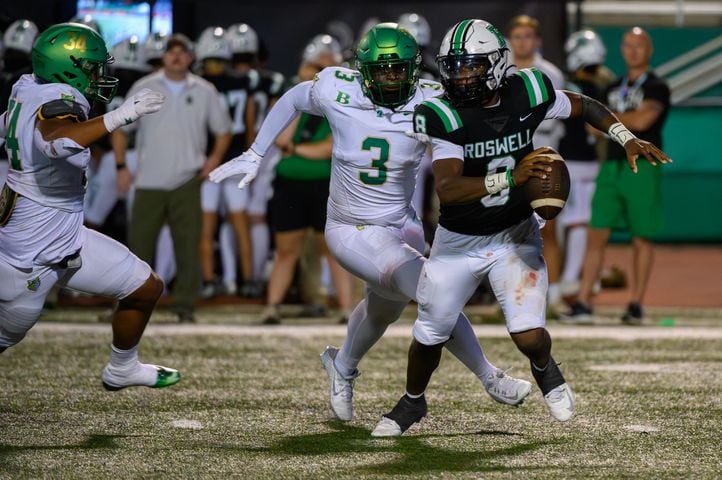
(548, 378)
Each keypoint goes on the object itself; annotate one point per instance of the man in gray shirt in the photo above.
(172, 162)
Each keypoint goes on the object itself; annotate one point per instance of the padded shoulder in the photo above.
(531, 88)
(438, 116)
(62, 108)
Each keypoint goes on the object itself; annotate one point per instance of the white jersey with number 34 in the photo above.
(374, 163)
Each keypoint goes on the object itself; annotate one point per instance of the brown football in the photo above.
(547, 196)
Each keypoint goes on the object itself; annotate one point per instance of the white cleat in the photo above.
(386, 428)
(506, 389)
(340, 391)
(560, 402)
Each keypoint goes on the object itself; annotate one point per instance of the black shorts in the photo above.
(298, 204)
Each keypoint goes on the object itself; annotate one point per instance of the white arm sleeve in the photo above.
(561, 108)
(298, 99)
(441, 149)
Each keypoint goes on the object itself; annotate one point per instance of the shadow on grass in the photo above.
(413, 454)
(93, 442)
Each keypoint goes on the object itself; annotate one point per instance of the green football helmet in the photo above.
(76, 55)
(388, 58)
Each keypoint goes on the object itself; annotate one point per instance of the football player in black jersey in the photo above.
(213, 50)
(247, 52)
(480, 132)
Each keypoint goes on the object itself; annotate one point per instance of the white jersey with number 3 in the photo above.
(374, 163)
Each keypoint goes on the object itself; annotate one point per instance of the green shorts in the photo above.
(624, 200)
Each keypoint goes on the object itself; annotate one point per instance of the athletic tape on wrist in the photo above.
(620, 134)
(496, 182)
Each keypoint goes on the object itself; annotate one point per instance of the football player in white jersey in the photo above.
(371, 228)
(42, 238)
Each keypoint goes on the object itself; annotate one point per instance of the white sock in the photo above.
(123, 359)
(366, 325)
(464, 345)
(575, 251)
(261, 242)
(415, 396)
(227, 243)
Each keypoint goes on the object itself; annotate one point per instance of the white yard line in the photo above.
(621, 333)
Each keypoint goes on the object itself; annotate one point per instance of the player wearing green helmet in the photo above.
(371, 227)
(75, 54)
(42, 240)
(389, 61)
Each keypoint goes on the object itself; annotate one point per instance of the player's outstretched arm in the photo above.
(298, 99)
(82, 134)
(601, 118)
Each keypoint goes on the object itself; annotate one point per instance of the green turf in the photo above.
(262, 406)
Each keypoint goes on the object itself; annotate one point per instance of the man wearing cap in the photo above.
(172, 163)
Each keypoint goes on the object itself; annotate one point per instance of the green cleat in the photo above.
(165, 378)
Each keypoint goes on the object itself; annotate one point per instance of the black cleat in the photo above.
(406, 412)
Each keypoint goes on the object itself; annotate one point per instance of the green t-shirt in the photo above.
(295, 167)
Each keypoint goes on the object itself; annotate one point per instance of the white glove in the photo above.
(246, 164)
(142, 103)
(419, 137)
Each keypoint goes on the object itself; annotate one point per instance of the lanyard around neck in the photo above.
(624, 89)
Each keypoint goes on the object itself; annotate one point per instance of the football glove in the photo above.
(142, 103)
(246, 164)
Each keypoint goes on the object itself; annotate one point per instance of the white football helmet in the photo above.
(473, 60)
(243, 38)
(154, 46)
(416, 26)
(322, 44)
(20, 36)
(128, 54)
(584, 48)
(213, 44)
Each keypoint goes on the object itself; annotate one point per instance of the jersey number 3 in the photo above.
(378, 163)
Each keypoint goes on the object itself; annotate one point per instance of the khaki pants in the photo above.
(181, 210)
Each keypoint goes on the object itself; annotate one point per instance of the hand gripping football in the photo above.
(548, 196)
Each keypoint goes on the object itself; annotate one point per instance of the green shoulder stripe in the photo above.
(535, 87)
(448, 114)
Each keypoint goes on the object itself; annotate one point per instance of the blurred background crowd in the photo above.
(226, 64)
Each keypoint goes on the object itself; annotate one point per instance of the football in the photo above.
(547, 196)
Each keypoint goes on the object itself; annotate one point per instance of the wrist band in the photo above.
(120, 166)
(620, 134)
(496, 182)
(510, 179)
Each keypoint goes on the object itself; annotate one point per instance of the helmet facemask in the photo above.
(469, 79)
(390, 83)
(100, 87)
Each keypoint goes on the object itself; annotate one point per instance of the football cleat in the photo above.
(560, 402)
(340, 390)
(506, 389)
(406, 412)
(165, 377)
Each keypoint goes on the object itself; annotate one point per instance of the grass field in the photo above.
(254, 406)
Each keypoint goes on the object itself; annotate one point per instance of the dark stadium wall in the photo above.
(286, 27)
